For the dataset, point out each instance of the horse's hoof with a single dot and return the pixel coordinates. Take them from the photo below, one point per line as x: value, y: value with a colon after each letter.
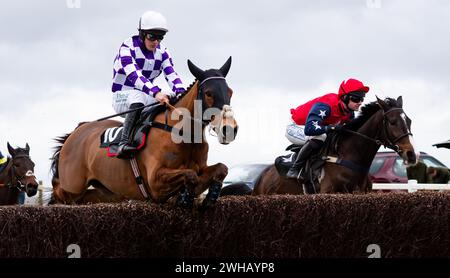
x: 186, y: 206
x: 185, y: 203
x: 186, y: 199
x: 206, y: 204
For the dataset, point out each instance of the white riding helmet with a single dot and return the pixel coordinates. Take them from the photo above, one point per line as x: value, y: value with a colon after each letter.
x: 151, y: 20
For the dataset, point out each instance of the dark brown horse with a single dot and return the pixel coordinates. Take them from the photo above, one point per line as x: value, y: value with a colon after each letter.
x: 17, y: 176
x: 347, y: 164
x: 169, y: 167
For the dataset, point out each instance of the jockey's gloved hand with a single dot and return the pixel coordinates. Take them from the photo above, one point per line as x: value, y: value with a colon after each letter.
x: 333, y: 128
x: 173, y: 98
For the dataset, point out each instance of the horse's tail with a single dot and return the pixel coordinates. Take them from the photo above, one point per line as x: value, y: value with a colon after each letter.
x: 55, y: 157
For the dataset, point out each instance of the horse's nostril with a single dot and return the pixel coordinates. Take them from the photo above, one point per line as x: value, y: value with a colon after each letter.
x: 31, y: 190
x: 411, y: 156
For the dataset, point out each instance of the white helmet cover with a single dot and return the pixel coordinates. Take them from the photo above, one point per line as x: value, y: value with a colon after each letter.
x: 151, y: 20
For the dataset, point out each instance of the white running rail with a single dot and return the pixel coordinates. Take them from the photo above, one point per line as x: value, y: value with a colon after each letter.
x: 411, y: 186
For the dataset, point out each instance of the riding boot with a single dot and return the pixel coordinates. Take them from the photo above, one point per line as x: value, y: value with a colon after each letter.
x: 305, y: 152
x: 125, y: 149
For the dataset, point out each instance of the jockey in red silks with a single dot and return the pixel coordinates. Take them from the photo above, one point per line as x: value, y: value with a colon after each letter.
x: 313, y: 120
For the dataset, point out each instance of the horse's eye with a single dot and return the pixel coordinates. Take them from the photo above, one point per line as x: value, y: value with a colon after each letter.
x: 208, y: 94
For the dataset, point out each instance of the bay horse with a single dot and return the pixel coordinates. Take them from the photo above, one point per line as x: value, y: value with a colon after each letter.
x: 382, y: 122
x: 17, y: 175
x: 169, y: 168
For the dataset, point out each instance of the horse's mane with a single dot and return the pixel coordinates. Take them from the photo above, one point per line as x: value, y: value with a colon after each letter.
x: 190, y: 86
x: 185, y: 92
x: 368, y: 111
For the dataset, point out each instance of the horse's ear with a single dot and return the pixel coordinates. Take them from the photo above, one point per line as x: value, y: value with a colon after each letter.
x: 226, y: 67
x: 382, y: 104
x: 400, y: 101
x: 27, y: 148
x: 11, y: 150
x: 196, y: 71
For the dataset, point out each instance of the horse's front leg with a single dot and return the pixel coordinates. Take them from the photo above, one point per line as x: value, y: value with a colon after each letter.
x: 169, y: 181
x: 211, y: 178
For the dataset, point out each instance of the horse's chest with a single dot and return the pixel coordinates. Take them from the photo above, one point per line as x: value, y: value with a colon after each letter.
x: 184, y: 158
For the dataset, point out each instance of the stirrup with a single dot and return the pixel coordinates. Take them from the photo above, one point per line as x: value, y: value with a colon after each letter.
x: 122, y: 152
x: 293, y: 173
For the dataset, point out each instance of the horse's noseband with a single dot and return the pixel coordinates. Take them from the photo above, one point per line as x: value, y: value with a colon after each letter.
x: 200, y: 93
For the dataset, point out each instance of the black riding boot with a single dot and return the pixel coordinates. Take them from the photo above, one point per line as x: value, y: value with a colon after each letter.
x: 125, y: 149
x: 309, y: 148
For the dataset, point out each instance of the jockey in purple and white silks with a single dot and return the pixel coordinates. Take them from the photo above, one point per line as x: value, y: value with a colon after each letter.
x: 140, y: 61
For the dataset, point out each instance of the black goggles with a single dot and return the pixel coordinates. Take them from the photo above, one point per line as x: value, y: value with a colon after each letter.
x: 154, y: 37
x: 356, y: 99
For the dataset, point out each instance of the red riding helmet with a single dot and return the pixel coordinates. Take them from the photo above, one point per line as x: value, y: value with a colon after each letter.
x: 352, y: 87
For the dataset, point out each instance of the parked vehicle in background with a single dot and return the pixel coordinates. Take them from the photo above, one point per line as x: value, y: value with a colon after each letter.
x: 241, y: 179
x: 388, y: 167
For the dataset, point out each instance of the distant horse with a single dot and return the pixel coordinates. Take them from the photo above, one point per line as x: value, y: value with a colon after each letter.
x: 168, y: 168
x: 347, y: 164
x: 18, y: 175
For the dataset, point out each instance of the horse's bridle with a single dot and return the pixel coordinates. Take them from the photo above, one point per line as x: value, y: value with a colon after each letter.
x: 18, y: 179
x: 387, y: 142
x: 199, y: 97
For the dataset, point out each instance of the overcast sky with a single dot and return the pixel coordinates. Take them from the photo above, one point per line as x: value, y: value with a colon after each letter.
x: 57, y: 55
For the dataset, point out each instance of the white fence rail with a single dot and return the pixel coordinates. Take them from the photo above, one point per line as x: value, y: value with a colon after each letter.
x: 411, y: 186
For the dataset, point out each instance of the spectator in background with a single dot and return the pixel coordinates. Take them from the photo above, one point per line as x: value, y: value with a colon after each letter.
x: 438, y: 175
x: 417, y: 172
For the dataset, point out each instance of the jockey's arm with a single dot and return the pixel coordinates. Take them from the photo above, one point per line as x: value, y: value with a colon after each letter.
x: 314, y: 122
x: 172, y: 77
x: 134, y: 73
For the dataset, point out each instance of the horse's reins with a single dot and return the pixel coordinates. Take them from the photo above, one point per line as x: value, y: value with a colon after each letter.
x: 166, y: 126
x: 389, y: 144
